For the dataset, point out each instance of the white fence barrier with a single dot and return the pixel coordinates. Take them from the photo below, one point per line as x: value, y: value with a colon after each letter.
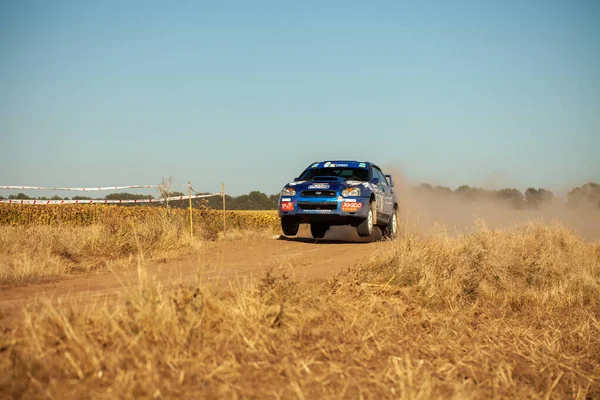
x: 174, y: 198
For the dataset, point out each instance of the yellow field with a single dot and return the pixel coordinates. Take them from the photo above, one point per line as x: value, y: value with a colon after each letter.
x: 209, y: 221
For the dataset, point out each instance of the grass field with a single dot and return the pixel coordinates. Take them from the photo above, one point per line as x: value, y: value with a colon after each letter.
x: 42, y: 243
x: 489, y: 314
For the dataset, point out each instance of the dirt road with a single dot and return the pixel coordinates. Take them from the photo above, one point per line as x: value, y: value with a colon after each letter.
x: 216, y: 263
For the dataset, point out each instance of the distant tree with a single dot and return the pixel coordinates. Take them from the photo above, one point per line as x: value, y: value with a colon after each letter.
x: 535, y: 197
x: 127, y: 196
x: 216, y: 202
x: 545, y: 195
x: 20, y: 196
x: 254, y: 200
x: 512, y: 196
x: 175, y: 194
x: 588, y: 193
x: 56, y: 197
x: 426, y: 188
x: 467, y: 192
x: 442, y: 191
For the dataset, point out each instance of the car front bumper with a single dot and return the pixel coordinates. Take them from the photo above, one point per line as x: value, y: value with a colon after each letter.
x: 333, y: 211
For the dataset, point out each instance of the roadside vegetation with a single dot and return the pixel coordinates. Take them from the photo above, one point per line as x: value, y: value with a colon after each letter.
x: 489, y: 314
x: 42, y: 243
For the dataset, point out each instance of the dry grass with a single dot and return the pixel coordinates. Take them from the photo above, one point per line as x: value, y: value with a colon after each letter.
x: 506, y: 314
x: 40, y: 253
x: 55, y: 246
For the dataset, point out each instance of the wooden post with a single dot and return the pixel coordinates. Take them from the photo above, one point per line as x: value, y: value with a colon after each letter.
x: 191, y: 216
x: 223, y: 196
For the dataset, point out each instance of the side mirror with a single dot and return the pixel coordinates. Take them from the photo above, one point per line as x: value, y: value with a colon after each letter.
x: 389, y: 178
x: 376, y: 180
x: 296, y: 179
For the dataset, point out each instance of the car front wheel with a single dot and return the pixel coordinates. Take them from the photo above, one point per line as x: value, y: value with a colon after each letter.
x: 365, y: 229
x: 289, y: 226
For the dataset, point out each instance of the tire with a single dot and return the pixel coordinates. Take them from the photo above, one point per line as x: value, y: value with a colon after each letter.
x: 318, y: 231
x: 289, y: 226
x: 390, y: 231
x: 365, y: 229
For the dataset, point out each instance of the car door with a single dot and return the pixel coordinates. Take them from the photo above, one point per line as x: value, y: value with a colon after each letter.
x: 389, y: 196
x: 383, y: 195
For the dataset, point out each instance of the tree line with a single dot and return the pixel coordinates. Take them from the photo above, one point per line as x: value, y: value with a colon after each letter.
x: 588, y: 193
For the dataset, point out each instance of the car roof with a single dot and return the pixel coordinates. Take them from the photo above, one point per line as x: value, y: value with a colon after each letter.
x: 343, y: 162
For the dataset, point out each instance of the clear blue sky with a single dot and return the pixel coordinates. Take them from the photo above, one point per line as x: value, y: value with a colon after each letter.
x: 250, y: 92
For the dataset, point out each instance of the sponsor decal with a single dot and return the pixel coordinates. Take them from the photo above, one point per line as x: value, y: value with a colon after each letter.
x: 286, y: 199
x: 332, y: 165
x: 319, y: 186
x: 349, y: 206
x: 287, y: 206
x: 351, y: 200
x: 359, y: 183
x: 315, y: 165
x: 362, y: 165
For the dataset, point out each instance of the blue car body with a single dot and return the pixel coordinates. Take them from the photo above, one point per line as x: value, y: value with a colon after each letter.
x: 338, y: 193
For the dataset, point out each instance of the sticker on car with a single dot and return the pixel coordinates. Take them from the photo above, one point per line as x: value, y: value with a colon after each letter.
x: 348, y: 206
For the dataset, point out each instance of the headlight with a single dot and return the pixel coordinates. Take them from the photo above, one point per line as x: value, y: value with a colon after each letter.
x: 351, y: 192
x: 288, y: 192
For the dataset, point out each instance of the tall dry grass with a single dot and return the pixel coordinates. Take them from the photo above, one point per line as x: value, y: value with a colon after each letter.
x: 493, y: 314
x: 36, y: 253
x: 101, y: 238
x: 532, y: 265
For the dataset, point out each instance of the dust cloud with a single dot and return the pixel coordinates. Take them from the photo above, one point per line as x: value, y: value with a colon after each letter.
x: 422, y: 212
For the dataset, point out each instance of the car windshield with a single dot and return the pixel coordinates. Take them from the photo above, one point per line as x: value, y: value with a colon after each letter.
x: 348, y: 174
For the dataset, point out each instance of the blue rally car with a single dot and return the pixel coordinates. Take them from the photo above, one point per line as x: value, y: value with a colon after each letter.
x: 340, y: 193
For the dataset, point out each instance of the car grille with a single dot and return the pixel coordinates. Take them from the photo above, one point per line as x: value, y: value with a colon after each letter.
x: 317, y: 206
x: 317, y: 193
